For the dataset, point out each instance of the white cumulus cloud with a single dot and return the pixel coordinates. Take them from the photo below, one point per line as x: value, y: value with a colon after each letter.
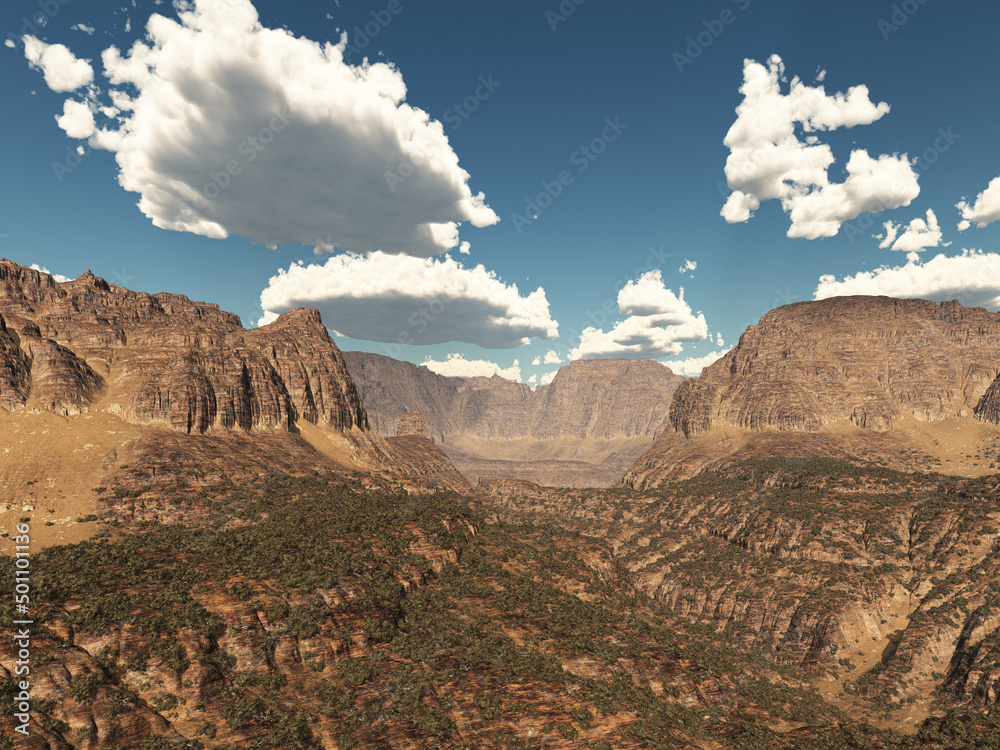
x: 658, y: 324
x: 984, y: 210
x: 547, y: 377
x: 918, y: 235
x: 692, y: 366
x: 973, y: 278
x: 272, y: 137
x: 769, y: 161
x: 62, y: 70
x: 457, y: 366
x: 77, y: 119
x: 407, y: 300
x: 88, y: 30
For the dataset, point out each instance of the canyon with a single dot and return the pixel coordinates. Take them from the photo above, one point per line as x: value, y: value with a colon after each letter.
x: 248, y: 538
x: 584, y: 429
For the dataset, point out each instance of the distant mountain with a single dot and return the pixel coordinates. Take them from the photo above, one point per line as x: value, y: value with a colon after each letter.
x: 900, y: 381
x: 583, y: 429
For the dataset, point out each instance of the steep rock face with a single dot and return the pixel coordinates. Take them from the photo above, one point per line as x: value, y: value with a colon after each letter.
x: 163, y: 359
x: 600, y: 398
x: 170, y: 390
x: 410, y: 424
x: 882, y: 365
x: 871, y: 360
x: 15, y: 384
x: 988, y: 408
x: 391, y: 389
x: 606, y: 398
x: 583, y: 429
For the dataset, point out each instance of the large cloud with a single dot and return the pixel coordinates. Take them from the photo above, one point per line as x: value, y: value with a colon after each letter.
x: 769, y: 161
x: 658, y: 325
x: 984, y: 210
x: 917, y: 235
x: 457, y: 366
x: 405, y: 300
x: 274, y: 138
x: 61, y: 68
x: 973, y: 278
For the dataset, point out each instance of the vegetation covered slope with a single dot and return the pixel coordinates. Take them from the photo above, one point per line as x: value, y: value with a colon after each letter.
x: 316, y: 613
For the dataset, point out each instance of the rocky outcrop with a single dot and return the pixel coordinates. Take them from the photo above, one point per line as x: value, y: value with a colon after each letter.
x: 870, y: 360
x: 176, y: 368
x: 874, y: 363
x: 163, y: 359
x: 583, y: 429
x: 411, y: 424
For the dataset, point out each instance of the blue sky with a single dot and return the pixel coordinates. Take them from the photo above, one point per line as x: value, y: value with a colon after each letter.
x: 619, y: 110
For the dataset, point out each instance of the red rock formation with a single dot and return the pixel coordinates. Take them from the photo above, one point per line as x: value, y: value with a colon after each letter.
x: 875, y: 362
x: 171, y: 365
x: 410, y: 424
x: 163, y: 359
x: 583, y: 429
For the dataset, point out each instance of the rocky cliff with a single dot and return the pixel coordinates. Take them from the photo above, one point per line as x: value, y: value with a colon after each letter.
x: 163, y: 359
x: 583, y: 429
x: 134, y: 372
x: 841, y: 370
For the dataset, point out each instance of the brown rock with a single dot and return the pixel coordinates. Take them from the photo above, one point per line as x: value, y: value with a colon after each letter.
x: 875, y: 363
x: 583, y: 429
x: 410, y: 424
x: 179, y: 369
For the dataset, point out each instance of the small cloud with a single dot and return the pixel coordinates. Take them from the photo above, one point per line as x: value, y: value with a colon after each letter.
x: 552, y: 357
x: 77, y: 120
x: 9, y: 43
x: 688, y: 267
x: 917, y: 235
x: 536, y: 361
x: 692, y: 366
x: 88, y: 30
x: 719, y: 341
x: 63, y: 71
x: 658, y: 324
x: 457, y: 366
x: 465, y: 248
x: 547, y: 377
x: 984, y: 210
